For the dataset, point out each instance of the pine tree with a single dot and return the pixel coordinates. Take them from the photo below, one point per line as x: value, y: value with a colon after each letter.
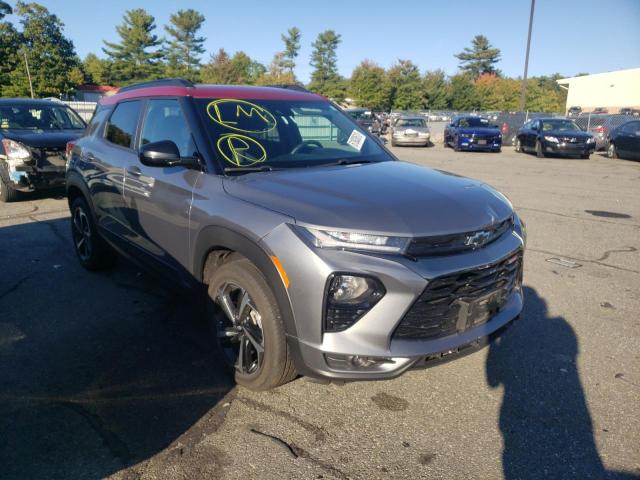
x: 246, y: 70
x: 185, y: 46
x: 137, y: 57
x: 278, y: 72
x: 51, y: 55
x: 5, y: 9
x: 9, y: 53
x: 219, y: 70
x: 436, y: 89
x: 370, y: 86
x: 291, y: 48
x: 480, y: 58
x: 464, y: 96
x: 407, y: 86
x: 325, y: 78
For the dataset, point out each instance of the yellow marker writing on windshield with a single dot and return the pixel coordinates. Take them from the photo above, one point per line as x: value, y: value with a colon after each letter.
x: 241, y: 150
x: 246, y: 117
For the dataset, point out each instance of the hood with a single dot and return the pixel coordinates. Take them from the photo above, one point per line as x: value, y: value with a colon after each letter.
x: 567, y: 133
x: 479, y: 131
x: 42, y: 138
x: 393, y: 197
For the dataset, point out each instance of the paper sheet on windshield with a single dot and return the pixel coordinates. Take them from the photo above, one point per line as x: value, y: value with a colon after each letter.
x: 356, y: 140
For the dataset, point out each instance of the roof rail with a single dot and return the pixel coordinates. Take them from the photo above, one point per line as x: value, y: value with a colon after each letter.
x: 290, y: 86
x: 165, y: 82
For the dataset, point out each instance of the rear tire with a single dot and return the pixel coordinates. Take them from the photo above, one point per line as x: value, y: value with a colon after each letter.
x: 254, y: 325
x: 611, y: 151
x: 585, y: 156
x: 7, y: 194
x: 91, y: 249
x: 539, y: 152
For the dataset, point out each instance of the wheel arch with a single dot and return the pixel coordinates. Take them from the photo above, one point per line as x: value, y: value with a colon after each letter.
x: 214, y: 243
x: 76, y: 187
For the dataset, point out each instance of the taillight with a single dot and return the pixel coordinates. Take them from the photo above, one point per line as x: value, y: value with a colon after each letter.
x: 70, y: 146
x: 600, y: 129
x: 505, y: 128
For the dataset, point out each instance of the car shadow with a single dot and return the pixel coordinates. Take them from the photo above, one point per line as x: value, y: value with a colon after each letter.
x: 98, y: 371
x: 544, y: 419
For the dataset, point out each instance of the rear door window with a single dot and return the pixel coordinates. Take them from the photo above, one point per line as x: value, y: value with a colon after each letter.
x: 121, y: 128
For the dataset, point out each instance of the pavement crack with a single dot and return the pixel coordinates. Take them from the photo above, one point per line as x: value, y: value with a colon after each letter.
x: 586, y: 260
x: 319, y: 434
x: 616, y: 250
x: 288, y: 447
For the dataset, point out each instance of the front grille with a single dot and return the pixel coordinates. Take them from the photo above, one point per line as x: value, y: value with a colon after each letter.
x: 458, y: 242
x: 576, y: 140
x: 454, y: 303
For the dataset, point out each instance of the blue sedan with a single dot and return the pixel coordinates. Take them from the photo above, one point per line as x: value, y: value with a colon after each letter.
x: 473, y: 133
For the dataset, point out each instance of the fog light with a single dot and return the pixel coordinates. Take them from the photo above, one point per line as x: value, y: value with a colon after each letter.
x: 348, y: 298
x: 355, y: 362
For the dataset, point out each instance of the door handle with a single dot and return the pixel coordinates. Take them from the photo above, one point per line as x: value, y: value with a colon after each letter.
x: 134, y: 171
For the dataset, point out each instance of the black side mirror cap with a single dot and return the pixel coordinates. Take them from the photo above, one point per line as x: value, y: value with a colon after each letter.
x: 164, y: 154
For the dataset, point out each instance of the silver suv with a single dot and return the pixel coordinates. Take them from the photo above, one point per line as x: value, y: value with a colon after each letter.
x: 321, y: 253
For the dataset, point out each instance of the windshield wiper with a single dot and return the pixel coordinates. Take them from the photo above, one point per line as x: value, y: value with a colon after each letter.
x: 346, y: 161
x: 262, y: 168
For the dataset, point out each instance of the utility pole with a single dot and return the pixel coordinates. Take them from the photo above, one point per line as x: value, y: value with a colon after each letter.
x: 523, y: 93
x: 26, y: 62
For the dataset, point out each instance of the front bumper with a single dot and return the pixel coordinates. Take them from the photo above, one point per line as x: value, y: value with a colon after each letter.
x: 472, y: 144
x: 569, y: 148
x: 373, y: 335
x: 29, y: 179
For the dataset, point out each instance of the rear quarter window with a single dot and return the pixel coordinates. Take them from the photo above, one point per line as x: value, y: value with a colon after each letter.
x: 122, y: 124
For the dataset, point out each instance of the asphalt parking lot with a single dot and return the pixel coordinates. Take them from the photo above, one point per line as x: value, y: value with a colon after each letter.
x: 113, y: 374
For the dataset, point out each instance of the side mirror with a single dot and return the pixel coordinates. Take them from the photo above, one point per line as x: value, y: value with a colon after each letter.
x: 164, y: 154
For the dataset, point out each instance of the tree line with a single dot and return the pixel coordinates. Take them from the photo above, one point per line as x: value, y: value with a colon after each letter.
x: 140, y: 54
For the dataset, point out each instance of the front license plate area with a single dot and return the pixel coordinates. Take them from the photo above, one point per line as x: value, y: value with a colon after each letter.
x: 482, y: 142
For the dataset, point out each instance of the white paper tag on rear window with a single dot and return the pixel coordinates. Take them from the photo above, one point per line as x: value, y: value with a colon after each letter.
x: 356, y: 140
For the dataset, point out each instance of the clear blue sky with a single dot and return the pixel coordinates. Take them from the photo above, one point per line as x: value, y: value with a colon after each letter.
x: 569, y: 36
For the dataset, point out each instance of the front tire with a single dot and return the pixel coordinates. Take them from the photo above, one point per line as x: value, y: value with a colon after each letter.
x: 611, y: 151
x: 248, y: 326
x: 91, y: 249
x: 539, y: 152
x: 7, y: 194
x: 518, y: 146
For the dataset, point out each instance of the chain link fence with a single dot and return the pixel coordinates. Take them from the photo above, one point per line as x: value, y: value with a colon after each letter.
x: 599, y: 125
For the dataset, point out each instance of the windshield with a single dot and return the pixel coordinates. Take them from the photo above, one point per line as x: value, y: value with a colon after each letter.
x: 410, y: 122
x: 38, y: 117
x: 475, y: 122
x: 560, y: 125
x: 285, y: 134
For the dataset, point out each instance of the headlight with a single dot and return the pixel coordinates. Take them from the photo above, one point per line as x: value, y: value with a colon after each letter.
x: 16, y: 153
x: 551, y: 139
x: 465, y: 135
x: 353, y: 240
x: 591, y: 140
x: 348, y: 298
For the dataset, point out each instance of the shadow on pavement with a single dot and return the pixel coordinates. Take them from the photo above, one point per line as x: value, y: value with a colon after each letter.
x: 98, y: 372
x: 544, y: 418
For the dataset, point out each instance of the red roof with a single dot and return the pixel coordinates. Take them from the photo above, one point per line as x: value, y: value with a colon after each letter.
x: 214, y: 91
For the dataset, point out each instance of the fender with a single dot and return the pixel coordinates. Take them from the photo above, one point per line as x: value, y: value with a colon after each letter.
x: 74, y: 179
x: 214, y: 237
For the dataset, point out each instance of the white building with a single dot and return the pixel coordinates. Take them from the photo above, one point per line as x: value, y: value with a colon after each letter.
x: 610, y: 90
